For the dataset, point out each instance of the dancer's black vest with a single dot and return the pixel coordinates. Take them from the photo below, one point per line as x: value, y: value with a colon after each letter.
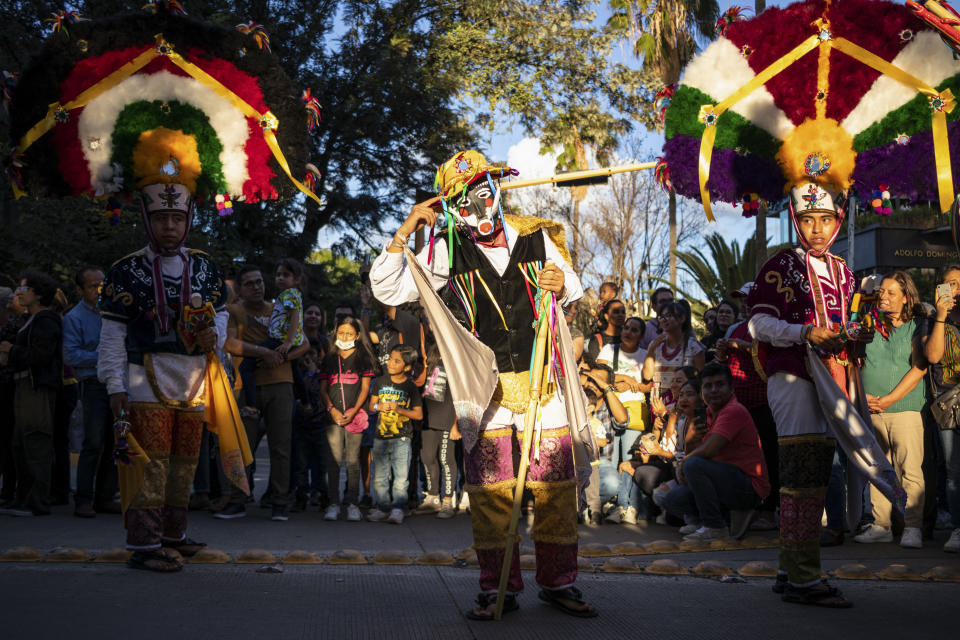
x: 512, y: 346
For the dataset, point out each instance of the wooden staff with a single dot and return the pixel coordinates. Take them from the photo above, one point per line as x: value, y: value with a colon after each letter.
x: 577, y: 175
x: 529, y: 422
x: 561, y: 177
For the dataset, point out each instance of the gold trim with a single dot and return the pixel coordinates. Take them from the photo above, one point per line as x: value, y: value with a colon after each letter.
x: 155, y: 387
x: 805, y: 492
x: 158, y: 405
x: 490, y: 434
x: 489, y: 488
x: 817, y: 438
x: 546, y: 484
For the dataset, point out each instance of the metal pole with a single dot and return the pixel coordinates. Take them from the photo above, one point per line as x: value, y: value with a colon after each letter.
x: 851, y: 229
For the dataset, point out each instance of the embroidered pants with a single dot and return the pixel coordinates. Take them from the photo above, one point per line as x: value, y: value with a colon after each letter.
x: 491, y: 470
x: 806, y: 459
x: 171, y: 439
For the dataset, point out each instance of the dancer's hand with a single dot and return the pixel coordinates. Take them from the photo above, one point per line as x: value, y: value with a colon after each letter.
x: 551, y: 278
x: 825, y: 339
x: 119, y: 403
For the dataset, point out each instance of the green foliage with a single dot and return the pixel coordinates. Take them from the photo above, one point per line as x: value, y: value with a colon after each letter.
x: 726, y: 268
x: 403, y: 84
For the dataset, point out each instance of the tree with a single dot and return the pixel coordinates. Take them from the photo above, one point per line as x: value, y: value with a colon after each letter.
x: 664, y: 34
x: 403, y: 85
x: 627, y: 236
x: 726, y: 269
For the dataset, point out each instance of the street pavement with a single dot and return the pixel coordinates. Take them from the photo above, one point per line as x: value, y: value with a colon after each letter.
x: 266, y: 600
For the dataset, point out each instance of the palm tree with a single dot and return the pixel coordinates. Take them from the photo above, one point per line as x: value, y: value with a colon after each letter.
x: 665, y: 36
x: 726, y: 269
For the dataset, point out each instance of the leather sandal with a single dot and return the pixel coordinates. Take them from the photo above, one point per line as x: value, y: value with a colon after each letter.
x: 485, y: 600
x: 186, y: 547
x: 555, y: 598
x: 818, y: 595
x: 154, y: 560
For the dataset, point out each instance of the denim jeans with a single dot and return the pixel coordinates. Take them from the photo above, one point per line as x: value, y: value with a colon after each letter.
x: 343, y: 450
x: 951, y: 453
x: 711, y: 487
x: 629, y: 493
x: 309, y: 444
x: 391, y: 455
x: 95, y: 457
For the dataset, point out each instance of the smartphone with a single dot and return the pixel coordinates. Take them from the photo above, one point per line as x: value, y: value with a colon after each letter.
x: 700, y: 417
x: 943, y: 290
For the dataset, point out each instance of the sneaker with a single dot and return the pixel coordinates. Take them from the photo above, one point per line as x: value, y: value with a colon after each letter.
x: 84, y: 511
x: 873, y: 533
x: 231, y: 511
x: 396, y: 516
x: 353, y: 513
x: 911, y: 538
x: 595, y: 519
x: 17, y: 511
x: 446, y: 509
x: 464, y: 502
x: 377, y: 515
x: 953, y: 544
x: 687, y: 529
x: 661, y: 519
x: 615, y: 516
x: 708, y: 534
x: 630, y: 515
x: 332, y: 512
x: 281, y: 512
x: 431, y: 504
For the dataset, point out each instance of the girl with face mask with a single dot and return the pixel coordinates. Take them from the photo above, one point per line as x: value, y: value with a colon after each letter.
x: 345, y: 377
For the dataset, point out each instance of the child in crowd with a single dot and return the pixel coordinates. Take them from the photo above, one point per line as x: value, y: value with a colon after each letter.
x: 310, y: 431
x: 345, y: 377
x: 285, y: 330
x: 397, y: 400
x: 439, y: 438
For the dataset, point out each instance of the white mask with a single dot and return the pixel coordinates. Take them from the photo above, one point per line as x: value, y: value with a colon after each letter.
x: 345, y: 346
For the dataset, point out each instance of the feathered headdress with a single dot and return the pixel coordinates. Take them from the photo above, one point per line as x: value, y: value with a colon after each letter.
x: 159, y: 99
x: 813, y: 99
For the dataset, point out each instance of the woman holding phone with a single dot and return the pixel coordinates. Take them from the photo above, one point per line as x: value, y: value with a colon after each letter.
x: 943, y: 352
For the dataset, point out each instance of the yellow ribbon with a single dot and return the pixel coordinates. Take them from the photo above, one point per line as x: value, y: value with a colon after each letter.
x: 91, y: 93
x: 201, y: 76
x: 938, y: 125
x: 710, y: 133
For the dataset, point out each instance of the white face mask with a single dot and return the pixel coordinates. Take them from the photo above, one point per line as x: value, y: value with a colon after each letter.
x: 345, y: 346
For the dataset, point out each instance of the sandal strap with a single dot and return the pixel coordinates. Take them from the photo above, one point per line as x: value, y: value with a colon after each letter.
x: 568, y: 593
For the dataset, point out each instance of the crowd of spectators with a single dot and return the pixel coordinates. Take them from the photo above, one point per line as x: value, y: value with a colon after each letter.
x: 360, y: 424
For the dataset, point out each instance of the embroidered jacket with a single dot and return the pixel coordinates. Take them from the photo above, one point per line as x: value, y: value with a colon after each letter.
x: 789, y: 289
x: 128, y: 297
